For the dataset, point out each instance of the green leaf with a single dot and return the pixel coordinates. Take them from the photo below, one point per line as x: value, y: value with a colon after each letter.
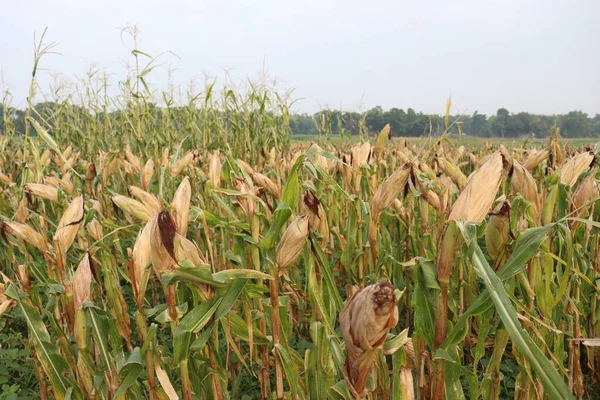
x: 236, y: 288
x: 131, y: 371
x: 185, y: 272
x: 554, y: 385
x: 525, y: 248
x: 239, y: 328
x: 191, y: 323
x: 53, y: 363
x: 239, y: 273
x: 424, y: 313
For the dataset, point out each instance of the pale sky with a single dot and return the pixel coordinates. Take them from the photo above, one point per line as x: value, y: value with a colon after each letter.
x: 524, y: 55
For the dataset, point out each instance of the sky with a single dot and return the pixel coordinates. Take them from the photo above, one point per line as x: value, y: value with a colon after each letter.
x: 523, y: 55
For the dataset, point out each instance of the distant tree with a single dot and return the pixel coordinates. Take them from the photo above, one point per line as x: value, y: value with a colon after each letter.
x: 500, y: 122
x: 596, y: 124
x: 576, y: 124
x: 477, y: 125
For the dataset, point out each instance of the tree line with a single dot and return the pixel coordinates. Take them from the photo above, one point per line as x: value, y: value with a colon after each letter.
x: 413, y: 124
x: 403, y: 123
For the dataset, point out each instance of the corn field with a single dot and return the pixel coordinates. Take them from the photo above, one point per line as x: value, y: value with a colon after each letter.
x: 193, y: 252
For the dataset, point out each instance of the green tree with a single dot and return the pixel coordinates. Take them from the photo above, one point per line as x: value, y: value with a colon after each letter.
x: 576, y: 124
x: 477, y: 125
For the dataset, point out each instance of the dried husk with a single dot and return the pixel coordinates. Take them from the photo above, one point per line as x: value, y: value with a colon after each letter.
x: 162, y: 242
x: 40, y: 190
x: 291, y: 244
x: 497, y: 233
x: 214, y: 169
x: 556, y: 150
x: 186, y: 250
x: 94, y: 229
x: 26, y: 233
x: 477, y: 198
x: 522, y: 182
x: 96, y: 205
x: 146, y: 174
x: 45, y: 157
x: 90, y: 173
x: 181, y: 164
x: 390, y: 189
x: 5, y: 180
x: 535, y: 158
x: 574, y: 167
x: 586, y: 191
x: 22, y: 210
x: 245, y: 166
x: 132, y: 207
x: 317, y: 219
x: 142, y: 256
x: 360, y: 154
x: 5, y: 302
x: 382, y: 139
x: 365, y: 322
x: 180, y: 206
x: 320, y: 160
x: 81, y: 281
x: 69, y: 224
x: 148, y: 199
x: 133, y: 160
x: 266, y: 183
x: 245, y: 201
x: 453, y: 172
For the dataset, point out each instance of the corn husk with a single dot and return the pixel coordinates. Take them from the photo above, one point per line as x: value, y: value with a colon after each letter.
x: 266, y: 183
x: 535, y: 158
x: 291, y: 244
x: 162, y: 245
x: 586, y: 191
x: 249, y: 170
x: 361, y: 154
x: 365, y: 322
x: 69, y: 224
x: 178, y: 167
x: 214, y: 169
x: 26, y: 233
x: 180, y: 205
x: 146, y: 174
x: 40, y: 190
x: 185, y: 249
x: 94, y: 229
x: 497, y: 233
x: 45, y: 157
x: 522, y: 182
x: 5, y: 302
x: 247, y: 192
x: 453, y: 172
x: 22, y: 212
x: 476, y: 200
x: 5, y: 180
x: 150, y: 201
x: 142, y: 256
x: 390, y: 189
x: 382, y: 139
x: 96, y: 205
x: 81, y: 281
x: 317, y: 219
x: 133, y: 207
x: 574, y: 167
x: 133, y: 160
x: 90, y: 173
